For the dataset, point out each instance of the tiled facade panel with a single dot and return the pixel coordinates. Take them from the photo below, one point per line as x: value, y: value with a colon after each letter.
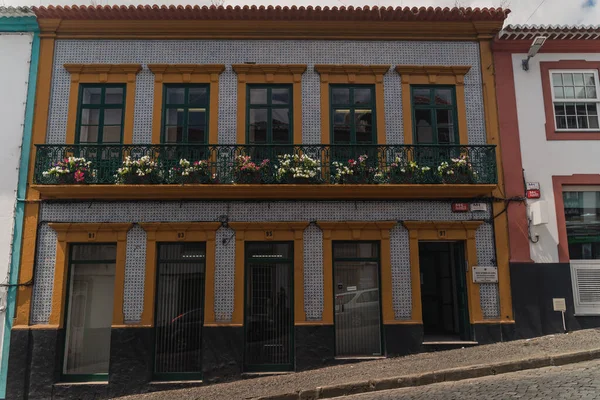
x: 225, y: 244
x: 238, y: 51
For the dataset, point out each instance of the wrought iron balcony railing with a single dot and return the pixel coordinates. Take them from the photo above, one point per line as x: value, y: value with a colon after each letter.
x: 260, y: 164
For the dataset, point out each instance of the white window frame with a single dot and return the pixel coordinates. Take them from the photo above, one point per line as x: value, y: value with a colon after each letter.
x: 582, y: 309
x: 565, y: 100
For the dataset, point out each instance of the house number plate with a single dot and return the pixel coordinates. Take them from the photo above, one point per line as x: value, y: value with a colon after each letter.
x: 485, y: 275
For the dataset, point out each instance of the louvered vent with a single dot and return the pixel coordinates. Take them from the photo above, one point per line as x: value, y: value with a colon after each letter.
x: 586, y: 286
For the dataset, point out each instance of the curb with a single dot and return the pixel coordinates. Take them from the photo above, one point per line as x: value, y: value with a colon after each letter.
x: 446, y: 375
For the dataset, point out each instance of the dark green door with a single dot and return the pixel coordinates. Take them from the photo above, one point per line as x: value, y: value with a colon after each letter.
x: 462, y: 299
x: 269, y: 317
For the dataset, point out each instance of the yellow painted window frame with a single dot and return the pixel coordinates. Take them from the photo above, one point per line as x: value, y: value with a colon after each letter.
x: 99, y: 74
x: 433, y: 75
x: 269, y: 74
x: 67, y: 233
x: 373, y: 231
x: 157, y: 232
x: 352, y: 75
x: 184, y: 74
x: 268, y: 232
x: 433, y: 231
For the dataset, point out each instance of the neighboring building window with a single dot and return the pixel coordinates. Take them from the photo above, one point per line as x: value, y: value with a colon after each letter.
x: 89, y: 312
x: 434, y: 116
x: 575, y: 98
x: 185, y: 118
x: 582, y: 216
x: 269, y: 111
x: 101, y: 114
x: 352, y: 111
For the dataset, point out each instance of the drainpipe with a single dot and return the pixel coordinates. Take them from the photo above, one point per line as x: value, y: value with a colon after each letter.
x: 15, y: 259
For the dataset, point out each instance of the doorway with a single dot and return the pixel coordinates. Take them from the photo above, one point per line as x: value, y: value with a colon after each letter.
x: 268, y: 316
x: 444, y: 298
x: 357, y: 299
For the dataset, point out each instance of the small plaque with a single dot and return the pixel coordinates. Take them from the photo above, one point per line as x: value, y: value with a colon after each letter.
x: 533, y: 186
x: 479, y: 207
x: 559, y: 304
x: 485, y: 275
x: 533, y: 194
x: 351, y: 289
x: 460, y: 207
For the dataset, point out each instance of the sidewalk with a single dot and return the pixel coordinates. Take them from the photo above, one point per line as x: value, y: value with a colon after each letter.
x: 511, y: 353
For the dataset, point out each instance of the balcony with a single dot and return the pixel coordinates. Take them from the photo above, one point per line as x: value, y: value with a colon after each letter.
x: 264, y: 172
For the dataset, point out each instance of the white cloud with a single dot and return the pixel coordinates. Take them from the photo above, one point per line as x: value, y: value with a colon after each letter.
x: 550, y: 12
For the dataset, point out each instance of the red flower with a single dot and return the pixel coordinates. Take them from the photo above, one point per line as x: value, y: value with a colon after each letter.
x: 79, y: 176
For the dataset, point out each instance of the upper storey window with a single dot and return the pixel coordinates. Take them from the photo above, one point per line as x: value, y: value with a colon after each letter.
x: 353, y: 110
x: 101, y: 113
x: 269, y: 110
x: 575, y: 99
x: 186, y: 114
x: 434, y: 114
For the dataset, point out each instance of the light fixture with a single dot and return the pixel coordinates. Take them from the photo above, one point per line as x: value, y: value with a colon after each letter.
x: 538, y: 42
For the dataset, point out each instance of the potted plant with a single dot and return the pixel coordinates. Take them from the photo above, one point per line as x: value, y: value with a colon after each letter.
x: 407, y: 172
x: 70, y: 170
x: 143, y: 170
x: 191, y: 172
x: 247, y: 171
x: 353, y: 171
x: 294, y: 168
x: 457, y: 170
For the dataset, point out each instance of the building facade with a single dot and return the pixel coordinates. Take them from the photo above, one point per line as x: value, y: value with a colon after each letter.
x: 548, y: 129
x: 19, y: 38
x: 210, y: 197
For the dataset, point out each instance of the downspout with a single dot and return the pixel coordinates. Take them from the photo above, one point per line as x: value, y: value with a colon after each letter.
x: 15, y: 259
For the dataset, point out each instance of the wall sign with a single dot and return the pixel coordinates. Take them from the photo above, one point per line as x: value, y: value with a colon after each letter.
x: 460, y: 207
x: 559, y: 304
x: 533, y: 185
x: 533, y: 194
x: 485, y: 275
x: 478, y: 206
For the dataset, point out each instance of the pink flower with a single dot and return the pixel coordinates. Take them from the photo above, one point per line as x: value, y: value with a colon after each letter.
x: 351, y: 161
x: 79, y: 176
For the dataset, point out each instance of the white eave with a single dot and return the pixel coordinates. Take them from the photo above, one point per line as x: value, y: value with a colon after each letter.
x: 553, y: 32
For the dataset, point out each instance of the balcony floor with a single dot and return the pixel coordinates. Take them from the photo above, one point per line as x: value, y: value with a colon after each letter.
x: 263, y: 192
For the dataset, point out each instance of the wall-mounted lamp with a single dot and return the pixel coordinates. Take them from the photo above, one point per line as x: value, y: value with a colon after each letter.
x: 538, y: 42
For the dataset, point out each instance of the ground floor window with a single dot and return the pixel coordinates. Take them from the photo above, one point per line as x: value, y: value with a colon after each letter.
x: 582, y: 216
x: 89, y: 312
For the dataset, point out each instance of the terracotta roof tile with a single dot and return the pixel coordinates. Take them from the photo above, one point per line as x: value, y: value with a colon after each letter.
x: 554, y: 32
x: 309, y: 13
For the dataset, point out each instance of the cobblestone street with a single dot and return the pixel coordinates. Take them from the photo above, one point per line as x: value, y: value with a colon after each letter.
x: 575, y: 381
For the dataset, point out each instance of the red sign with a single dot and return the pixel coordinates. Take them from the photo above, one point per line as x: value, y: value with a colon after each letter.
x: 533, y: 194
x: 460, y: 207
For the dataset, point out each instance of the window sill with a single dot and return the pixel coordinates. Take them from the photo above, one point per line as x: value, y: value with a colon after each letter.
x: 572, y: 135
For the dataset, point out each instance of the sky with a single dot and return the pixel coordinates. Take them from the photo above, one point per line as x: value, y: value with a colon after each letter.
x: 555, y: 12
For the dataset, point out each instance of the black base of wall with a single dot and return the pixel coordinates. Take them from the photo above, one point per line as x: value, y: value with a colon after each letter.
x: 315, y: 346
x: 533, y: 287
x: 401, y: 340
x: 223, y: 353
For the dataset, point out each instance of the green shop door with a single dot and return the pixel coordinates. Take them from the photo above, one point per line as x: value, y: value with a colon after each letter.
x: 179, y: 309
x: 268, y: 316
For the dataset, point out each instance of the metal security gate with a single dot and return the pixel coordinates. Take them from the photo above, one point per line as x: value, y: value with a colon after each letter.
x: 357, y: 299
x: 179, y: 310
x: 269, y: 307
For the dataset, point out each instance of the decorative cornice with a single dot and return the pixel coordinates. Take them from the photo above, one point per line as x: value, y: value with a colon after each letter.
x: 437, y: 225
x: 103, y: 70
x: 269, y: 71
x: 180, y: 226
x: 186, y: 70
x: 433, y: 71
x: 272, y: 226
x: 356, y: 225
x: 351, y: 71
x: 93, y: 227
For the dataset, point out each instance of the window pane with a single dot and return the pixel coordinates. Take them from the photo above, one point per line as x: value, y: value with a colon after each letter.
x: 362, y: 96
x: 281, y: 125
x: 197, y: 116
x: 582, y: 217
x: 591, y: 109
x: 258, y: 125
x: 421, y: 96
x: 590, y: 80
x: 198, y: 95
x: 112, y: 116
x: 258, y: 96
x: 113, y: 96
x: 363, y: 120
x: 111, y: 134
x: 572, y: 122
x: 340, y: 96
x: 355, y: 250
x: 91, y: 95
x: 561, y: 123
x: 582, y: 122
x: 567, y: 79
x: 559, y: 109
x: 88, y: 134
x: 569, y: 92
x: 89, y: 315
x: 570, y: 108
x: 90, y: 116
x: 175, y: 95
x: 445, y: 126
x: 341, y: 117
x: 443, y: 97
x: 174, y: 134
x: 341, y: 134
x: 578, y: 79
x: 423, y: 126
x: 104, y: 252
x: 175, y: 116
x: 580, y: 92
x: 196, y: 134
x: 559, y: 93
x: 580, y: 109
x: 557, y: 79
x: 280, y: 96
x: 593, y: 122
x: 590, y: 92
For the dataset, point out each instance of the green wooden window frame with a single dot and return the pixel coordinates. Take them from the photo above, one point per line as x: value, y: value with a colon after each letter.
x: 269, y: 106
x: 101, y: 377
x: 433, y: 107
x: 185, y: 107
x: 102, y: 107
x: 352, y: 107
